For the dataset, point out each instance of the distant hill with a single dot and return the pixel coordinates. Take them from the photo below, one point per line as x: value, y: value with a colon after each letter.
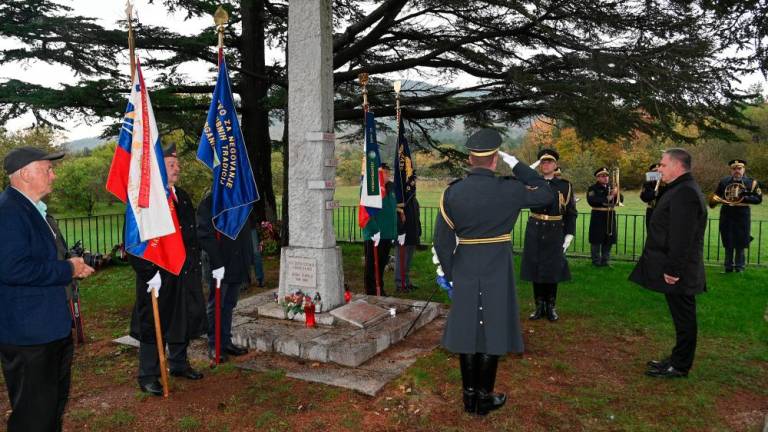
x: 85, y: 143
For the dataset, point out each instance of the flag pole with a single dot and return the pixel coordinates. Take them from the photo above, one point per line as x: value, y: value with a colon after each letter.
x: 363, y: 78
x: 400, y: 206
x: 220, y: 18
x: 131, y: 41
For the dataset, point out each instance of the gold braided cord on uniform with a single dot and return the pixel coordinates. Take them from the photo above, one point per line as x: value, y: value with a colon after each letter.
x: 483, y: 153
x: 486, y: 240
x: 443, y: 212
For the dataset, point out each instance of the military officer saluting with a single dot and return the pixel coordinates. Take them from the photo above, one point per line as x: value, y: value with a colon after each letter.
x: 603, y: 198
x: 736, y: 193
x: 549, y: 232
x: 472, y: 235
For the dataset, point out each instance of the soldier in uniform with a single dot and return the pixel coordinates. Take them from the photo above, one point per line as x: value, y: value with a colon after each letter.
x: 549, y: 232
x: 649, y: 193
x: 736, y: 192
x: 472, y: 235
x: 602, y: 223
x: 181, y: 304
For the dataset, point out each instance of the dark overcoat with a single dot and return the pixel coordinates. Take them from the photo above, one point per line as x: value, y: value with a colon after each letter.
x: 735, y: 220
x: 602, y: 221
x: 675, y: 241
x: 543, y: 256
x: 235, y: 255
x: 484, y: 314
x: 411, y: 227
x: 181, y: 302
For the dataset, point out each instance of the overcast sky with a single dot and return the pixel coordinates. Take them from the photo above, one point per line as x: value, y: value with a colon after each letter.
x: 108, y: 13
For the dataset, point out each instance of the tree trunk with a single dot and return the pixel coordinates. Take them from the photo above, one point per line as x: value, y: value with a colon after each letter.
x: 254, y: 111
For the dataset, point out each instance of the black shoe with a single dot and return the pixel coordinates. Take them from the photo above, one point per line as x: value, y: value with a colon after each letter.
x: 223, y: 357
x: 487, y: 402
x: 154, y: 388
x: 188, y: 373
x: 541, y: 310
x: 552, y: 315
x: 260, y: 283
x: 659, y: 364
x: 668, y: 372
x: 235, y: 350
x: 470, y: 400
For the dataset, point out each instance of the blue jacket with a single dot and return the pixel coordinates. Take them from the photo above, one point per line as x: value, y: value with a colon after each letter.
x: 33, y: 302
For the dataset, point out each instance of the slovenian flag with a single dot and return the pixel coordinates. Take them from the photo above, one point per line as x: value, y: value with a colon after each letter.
x: 222, y: 149
x: 137, y: 177
x: 372, y: 180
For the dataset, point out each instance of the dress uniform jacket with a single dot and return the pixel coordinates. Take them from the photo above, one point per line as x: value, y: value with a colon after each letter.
x: 484, y: 207
x: 181, y: 303
x: 602, y: 214
x: 675, y: 242
x: 735, y: 218
x: 543, y: 257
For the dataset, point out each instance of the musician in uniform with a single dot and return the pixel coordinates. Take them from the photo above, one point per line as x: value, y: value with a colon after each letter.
x: 549, y: 232
x: 471, y: 242
x: 650, y: 192
x: 603, y: 198
x: 736, y: 193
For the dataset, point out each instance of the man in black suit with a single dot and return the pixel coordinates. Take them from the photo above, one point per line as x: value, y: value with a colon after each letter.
x: 35, y: 321
x: 673, y: 258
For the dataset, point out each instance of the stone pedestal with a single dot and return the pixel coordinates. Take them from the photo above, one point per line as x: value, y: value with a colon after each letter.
x: 312, y: 262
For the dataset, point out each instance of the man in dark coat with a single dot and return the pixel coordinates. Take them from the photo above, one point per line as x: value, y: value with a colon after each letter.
x: 35, y: 322
x: 673, y: 258
x: 408, y: 237
x: 232, y: 259
x: 549, y: 232
x: 472, y: 235
x: 650, y: 192
x: 602, y: 223
x: 736, y: 193
x: 180, y: 301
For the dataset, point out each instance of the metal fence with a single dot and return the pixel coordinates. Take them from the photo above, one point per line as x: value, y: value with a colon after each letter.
x: 100, y: 233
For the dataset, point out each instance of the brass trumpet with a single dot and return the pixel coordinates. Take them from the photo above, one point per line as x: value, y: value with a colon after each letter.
x: 615, y: 184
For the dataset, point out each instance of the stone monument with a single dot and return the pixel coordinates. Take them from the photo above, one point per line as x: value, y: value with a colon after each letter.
x: 312, y: 261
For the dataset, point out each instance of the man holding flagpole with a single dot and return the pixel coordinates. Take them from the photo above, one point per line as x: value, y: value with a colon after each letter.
x: 408, y: 218
x: 223, y: 213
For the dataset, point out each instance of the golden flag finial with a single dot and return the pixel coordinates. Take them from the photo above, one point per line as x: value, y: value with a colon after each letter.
x: 220, y: 17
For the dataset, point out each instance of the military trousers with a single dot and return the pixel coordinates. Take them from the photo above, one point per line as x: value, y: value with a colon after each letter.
x: 149, y: 362
x: 735, y: 259
x: 601, y: 253
x: 546, y: 291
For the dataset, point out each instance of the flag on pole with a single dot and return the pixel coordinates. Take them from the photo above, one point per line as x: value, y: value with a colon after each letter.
x: 372, y: 180
x: 222, y: 149
x: 137, y: 177
x: 405, y: 174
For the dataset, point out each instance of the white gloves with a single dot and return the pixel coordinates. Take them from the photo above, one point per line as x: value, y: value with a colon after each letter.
x: 567, y: 242
x: 508, y: 159
x: 376, y: 238
x: 535, y: 164
x: 218, y: 274
x: 154, y: 284
x: 401, y: 239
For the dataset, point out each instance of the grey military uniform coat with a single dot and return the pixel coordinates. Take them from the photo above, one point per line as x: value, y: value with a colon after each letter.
x: 484, y: 316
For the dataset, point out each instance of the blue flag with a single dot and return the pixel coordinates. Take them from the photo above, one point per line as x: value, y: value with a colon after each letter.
x: 405, y: 174
x: 222, y: 149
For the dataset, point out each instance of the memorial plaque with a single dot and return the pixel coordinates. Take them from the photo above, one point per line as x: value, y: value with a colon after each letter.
x: 302, y: 272
x: 330, y: 205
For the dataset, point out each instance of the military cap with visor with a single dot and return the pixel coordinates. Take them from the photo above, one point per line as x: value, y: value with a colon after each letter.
x: 485, y: 142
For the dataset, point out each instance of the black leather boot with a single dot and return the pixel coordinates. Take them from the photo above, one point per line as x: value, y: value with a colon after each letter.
x: 552, y: 310
x: 541, y: 309
x: 468, y: 377
x: 487, y: 400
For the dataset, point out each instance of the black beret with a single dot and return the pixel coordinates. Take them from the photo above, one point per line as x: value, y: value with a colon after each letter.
x: 484, y: 142
x: 20, y: 157
x: 737, y: 162
x: 170, y: 151
x: 653, y: 167
x: 548, y: 153
x: 601, y: 170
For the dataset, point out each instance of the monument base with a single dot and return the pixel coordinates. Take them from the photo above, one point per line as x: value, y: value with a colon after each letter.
x: 312, y: 271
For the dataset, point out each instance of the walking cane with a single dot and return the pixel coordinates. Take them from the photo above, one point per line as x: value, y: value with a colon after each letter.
x: 376, y: 268
x: 160, y: 343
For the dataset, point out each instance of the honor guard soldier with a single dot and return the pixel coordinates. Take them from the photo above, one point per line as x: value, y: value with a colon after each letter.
x: 472, y: 244
x: 736, y: 193
x: 603, y: 198
x: 651, y: 190
x: 549, y: 232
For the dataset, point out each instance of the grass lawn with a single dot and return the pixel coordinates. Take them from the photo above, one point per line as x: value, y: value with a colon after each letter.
x: 581, y: 373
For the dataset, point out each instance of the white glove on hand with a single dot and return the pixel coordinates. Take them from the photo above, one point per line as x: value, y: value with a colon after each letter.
x: 535, y: 164
x: 567, y: 242
x: 154, y: 284
x: 218, y: 274
x: 401, y: 239
x: 509, y: 159
x: 376, y: 238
